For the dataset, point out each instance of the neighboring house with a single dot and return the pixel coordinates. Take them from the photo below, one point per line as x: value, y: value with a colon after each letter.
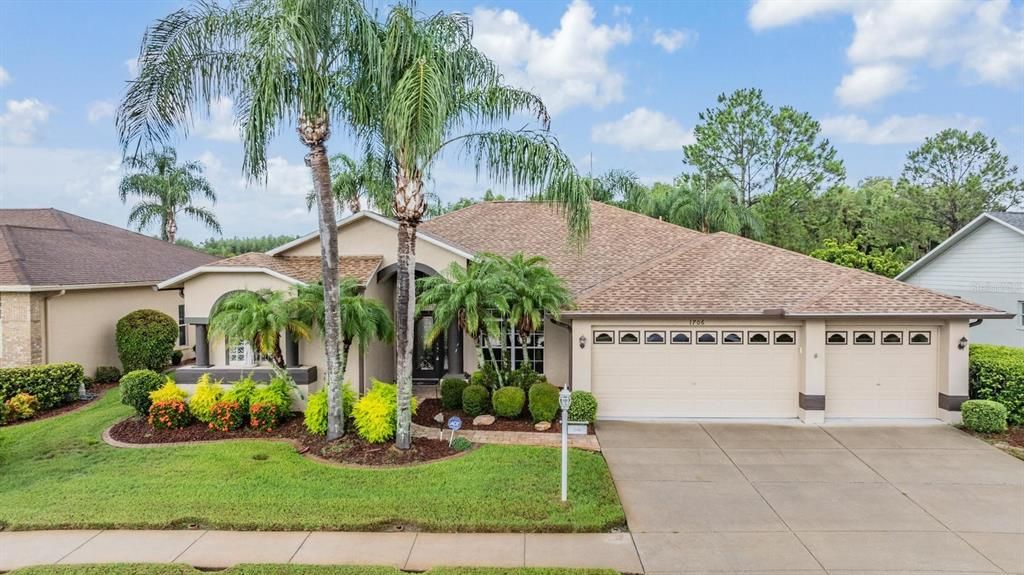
x: 66, y: 280
x: 983, y: 263
x: 669, y: 322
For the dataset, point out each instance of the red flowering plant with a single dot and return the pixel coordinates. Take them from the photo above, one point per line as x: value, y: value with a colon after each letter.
x: 264, y: 416
x: 226, y: 415
x: 169, y: 414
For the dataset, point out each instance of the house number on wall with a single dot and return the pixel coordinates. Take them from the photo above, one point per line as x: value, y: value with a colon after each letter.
x: 696, y: 322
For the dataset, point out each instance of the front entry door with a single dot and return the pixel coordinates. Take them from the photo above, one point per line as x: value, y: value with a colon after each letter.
x: 427, y: 361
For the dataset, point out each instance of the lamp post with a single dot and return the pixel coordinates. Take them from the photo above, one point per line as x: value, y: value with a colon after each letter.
x: 564, y: 399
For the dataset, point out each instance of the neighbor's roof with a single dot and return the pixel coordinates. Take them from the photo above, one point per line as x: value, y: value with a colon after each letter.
x: 1011, y: 220
x: 293, y: 269
x: 52, y: 249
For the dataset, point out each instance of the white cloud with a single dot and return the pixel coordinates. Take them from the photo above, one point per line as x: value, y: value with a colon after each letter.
x: 622, y: 10
x: 5, y: 78
x: 672, y: 40
x: 100, y: 110
x: 283, y: 178
x: 643, y: 129
x: 894, y: 129
x: 867, y: 84
x: 220, y: 125
x: 21, y: 120
x: 568, y: 68
x: 133, y: 66
x: 984, y: 40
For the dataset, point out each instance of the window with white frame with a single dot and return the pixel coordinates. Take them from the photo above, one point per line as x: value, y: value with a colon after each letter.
x: 242, y: 354
x: 182, y: 331
x: 510, y: 349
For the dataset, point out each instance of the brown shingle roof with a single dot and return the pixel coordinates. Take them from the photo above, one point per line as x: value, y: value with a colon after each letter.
x: 48, y: 247
x: 306, y: 268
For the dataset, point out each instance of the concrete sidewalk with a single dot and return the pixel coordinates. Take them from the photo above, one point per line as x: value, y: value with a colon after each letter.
x: 412, y: 551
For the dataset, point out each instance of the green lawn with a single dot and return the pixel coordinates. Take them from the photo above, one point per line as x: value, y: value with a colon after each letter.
x: 58, y: 473
x: 122, y: 569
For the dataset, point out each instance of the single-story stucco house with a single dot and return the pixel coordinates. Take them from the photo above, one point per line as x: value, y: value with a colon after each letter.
x: 668, y: 322
x: 66, y: 280
x: 984, y: 263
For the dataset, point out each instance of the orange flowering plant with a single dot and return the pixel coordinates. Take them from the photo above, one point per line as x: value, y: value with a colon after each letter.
x: 169, y: 414
x: 264, y: 416
x: 226, y: 415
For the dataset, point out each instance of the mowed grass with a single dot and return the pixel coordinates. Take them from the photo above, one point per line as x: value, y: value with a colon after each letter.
x: 58, y: 473
x: 172, y: 569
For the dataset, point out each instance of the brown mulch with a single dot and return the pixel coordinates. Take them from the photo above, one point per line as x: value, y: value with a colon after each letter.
x: 351, y: 449
x: 97, y: 390
x: 1011, y: 440
x: 428, y: 408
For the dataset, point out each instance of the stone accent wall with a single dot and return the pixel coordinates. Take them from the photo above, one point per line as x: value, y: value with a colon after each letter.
x: 21, y: 329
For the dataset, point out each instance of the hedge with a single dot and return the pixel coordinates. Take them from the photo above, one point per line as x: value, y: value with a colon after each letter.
x: 984, y: 416
x: 997, y: 374
x: 145, y: 340
x: 53, y: 384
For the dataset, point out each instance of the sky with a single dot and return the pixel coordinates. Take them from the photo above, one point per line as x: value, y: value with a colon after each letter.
x: 625, y: 82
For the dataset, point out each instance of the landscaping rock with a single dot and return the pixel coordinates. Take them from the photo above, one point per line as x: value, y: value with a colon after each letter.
x: 542, y: 426
x: 439, y: 418
x: 483, y: 420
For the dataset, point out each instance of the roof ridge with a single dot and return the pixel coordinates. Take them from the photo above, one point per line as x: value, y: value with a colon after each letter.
x: 649, y: 217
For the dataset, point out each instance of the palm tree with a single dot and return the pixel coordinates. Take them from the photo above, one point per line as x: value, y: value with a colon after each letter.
x: 258, y: 317
x: 424, y: 89
x: 166, y: 189
x: 473, y: 297
x: 363, y: 319
x: 532, y: 291
x: 280, y: 61
x: 353, y: 180
x: 696, y: 204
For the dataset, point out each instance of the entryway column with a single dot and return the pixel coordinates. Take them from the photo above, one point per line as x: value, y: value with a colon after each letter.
x: 291, y: 343
x: 812, y: 377
x: 954, y: 386
x: 454, y: 341
x: 202, y: 346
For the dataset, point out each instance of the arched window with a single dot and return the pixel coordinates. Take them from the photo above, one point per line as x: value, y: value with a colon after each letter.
x: 604, y: 337
x: 785, y: 337
x: 681, y: 337
x: 835, y: 338
x: 707, y: 337
x: 892, y: 338
x: 629, y: 337
x: 733, y: 337
x: 757, y: 337
x: 920, y: 337
x: 654, y: 337
x: 863, y: 338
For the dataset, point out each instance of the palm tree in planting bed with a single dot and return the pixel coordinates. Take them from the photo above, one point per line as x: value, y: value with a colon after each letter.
x: 352, y: 181
x: 280, y: 61
x: 166, y: 189
x: 422, y: 89
x: 258, y: 317
x: 533, y: 291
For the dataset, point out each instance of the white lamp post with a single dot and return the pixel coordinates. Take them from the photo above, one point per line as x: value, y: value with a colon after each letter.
x: 564, y: 399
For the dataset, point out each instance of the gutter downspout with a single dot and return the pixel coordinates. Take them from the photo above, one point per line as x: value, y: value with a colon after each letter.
x: 46, y: 323
x: 975, y: 323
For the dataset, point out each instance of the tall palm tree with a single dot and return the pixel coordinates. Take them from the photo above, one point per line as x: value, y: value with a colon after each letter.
x: 533, y: 291
x: 258, y: 317
x: 166, y: 189
x: 280, y: 61
x: 424, y: 89
x: 711, y: 208
x: 352, y: 181
x: 363, y: 319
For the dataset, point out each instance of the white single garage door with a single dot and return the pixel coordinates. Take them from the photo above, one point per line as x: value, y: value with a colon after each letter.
x: 884, y: 373
x: 696, y: 372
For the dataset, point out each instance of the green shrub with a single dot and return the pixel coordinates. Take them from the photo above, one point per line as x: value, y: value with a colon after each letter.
x: 22, y: 406
x: 509, y: 402
x: 997, y: 374
x: 375, y: 414
x: 543, y: 402
x: 136, y: 387
x: 53, y: 384
x: 107, y: 374
x: 475, y: 400
x: 583, y: 406
x: 984, y: 416
x: 461, y: 444
x: 168, y: 391
x: 145, y: 339
x: 524, y: 378
x: 265, y: 416
x: 169, y: 414
x: 206, y: 395
x: 485, y: 376
x: 451, y: 392
x: 4, y: 413
x: 176, y: 356
x: 316, y: 409
x: 277, y: 393
x: 226, y: 416
x: 242, y: 392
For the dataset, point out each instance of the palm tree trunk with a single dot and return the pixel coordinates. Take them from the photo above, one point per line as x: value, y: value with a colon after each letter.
x: 313, y: 133
x: 170, y: 228
x: 405, y: 295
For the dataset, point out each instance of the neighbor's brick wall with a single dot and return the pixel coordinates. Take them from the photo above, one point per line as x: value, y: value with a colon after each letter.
x: 21, y: 329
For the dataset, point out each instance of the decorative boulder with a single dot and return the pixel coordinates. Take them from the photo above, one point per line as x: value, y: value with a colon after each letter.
x: 542, y: 426
x: 483, y: 420
x: 439, y: 418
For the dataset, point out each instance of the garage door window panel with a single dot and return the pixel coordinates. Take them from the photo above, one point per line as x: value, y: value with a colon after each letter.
x: 892, y: 338
x: 835, y: 337
x: 680, y: 337
x: 707, y: 337
x: 629, y: 337
x: 654, y: 337
x: 863, y: 338
x: 920, y: 338
x: 785, y: 338
x: 732, y: 337
x: 604, y: 337
x: 757, y: 337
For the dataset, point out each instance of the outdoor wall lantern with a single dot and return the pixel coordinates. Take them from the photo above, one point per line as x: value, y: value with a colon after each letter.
x: 962, y: 344
x: 583, y: 341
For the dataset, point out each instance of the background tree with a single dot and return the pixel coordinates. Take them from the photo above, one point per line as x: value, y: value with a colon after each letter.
x: 258, y: 317
x: 423, y: 89
x: 233, y: 246
x: 955, y: 176
x: 356, y: 181
x: 165, y: 190
x: 620, y: 188
x: 280, y: 61
x: 849, y: 255
x: 697, y: 204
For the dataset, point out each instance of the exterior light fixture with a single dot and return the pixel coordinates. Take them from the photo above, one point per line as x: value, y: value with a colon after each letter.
x: 583, y: 341
x: 962, y: 344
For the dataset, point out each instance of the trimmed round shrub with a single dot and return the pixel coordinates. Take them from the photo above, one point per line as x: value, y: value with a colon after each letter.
x: 984, y: 416
x: 107, y: 374
x: 226, y: 416
x: 145, y: 339
x: 316, y: 409
x: 176, y: 356
x: 206, y: 395
x: 169, y: 414
x: 509, y: 402
x: 997, y: 374
x: 168, y: 391
x: 475, y: 400
x: 583, y: 406
x: 543, y: 402
x: 376, y: 413
x: 22, y: 406
x: 136, y: 387
x: 451, y: 392
x: 461, y: 444
x: 264, y: 416
x: 524, y: 377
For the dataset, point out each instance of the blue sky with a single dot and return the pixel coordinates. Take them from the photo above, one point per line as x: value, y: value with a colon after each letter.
x: 625, y: 80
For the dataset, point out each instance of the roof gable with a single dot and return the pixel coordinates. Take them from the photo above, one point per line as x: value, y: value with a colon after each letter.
x: 292, y: 269
x: 1011, y: 220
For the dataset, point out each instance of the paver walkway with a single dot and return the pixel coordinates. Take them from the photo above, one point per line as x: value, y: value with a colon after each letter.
x: 736, y: 497
x: 412, y: 551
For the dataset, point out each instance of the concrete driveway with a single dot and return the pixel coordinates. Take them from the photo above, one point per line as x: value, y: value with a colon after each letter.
x: 740, y: 497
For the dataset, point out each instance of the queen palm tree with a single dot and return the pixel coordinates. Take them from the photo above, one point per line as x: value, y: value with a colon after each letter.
x: 280, y: 62
x: 258, y: 317
x: 166, y: 189
x: 423, y: 89
x: 354, y: 181
x: 532, y: 291
x: 711, y: 208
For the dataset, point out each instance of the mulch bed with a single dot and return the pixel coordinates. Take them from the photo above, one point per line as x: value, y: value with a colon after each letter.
x: 1011, y: 440
x: 350, y: 449
x: 428, y: 408
x: 96, y: 390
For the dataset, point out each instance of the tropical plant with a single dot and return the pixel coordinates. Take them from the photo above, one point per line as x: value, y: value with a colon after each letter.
x: 316, y: 409
x: 698, y: 205
x: 375, y: 413
x: 532, y: 291
x: 207, y: 394
x: 227, y: 415
x: 22, y: 406
x: 168, y: 391
x: 166, y: 189
x: 352, y: 181
x: 258, y: 317
x: 279, y: 61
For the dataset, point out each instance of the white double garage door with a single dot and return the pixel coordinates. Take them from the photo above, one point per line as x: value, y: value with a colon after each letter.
x: 754, y: 371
